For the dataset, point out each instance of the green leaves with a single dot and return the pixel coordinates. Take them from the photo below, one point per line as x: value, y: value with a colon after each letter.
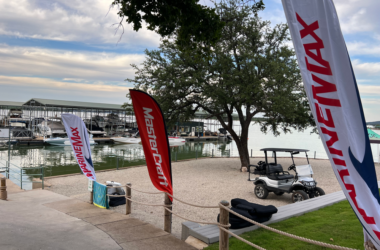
x: 193, y: 22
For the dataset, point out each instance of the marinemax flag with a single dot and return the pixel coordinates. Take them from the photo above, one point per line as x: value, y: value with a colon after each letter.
x: 77, y: 132
x: 335, y: 102
x: 152, y: 129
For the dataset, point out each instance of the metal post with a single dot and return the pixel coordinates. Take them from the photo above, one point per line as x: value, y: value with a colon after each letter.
x: 3, y: 188
x: 42, y: 177
x: 168, y: 215
x: 212, y: 154
x: 175, y: 155
x: 21, y: 177
x: 7, y: 169
x: 229, y: 153
x: 224, y: 220
x: 92, y: 197
x: 117, y: 163
x: 9, y: 148
x: 128, y: 194
x: 196, y: 153
x: 315, y: 153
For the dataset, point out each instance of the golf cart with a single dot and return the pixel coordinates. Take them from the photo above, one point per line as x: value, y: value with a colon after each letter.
x: 274, y: 179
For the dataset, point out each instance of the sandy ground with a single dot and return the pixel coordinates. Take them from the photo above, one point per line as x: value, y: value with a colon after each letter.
x: 203, y: 182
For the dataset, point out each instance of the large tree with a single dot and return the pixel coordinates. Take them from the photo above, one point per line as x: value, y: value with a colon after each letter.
x: 250, y: 71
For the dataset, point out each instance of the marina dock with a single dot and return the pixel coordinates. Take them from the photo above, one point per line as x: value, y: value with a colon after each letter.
x: 40, y: 141
x: 107, y: 140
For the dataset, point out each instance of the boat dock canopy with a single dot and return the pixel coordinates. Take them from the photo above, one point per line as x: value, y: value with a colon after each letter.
x: 284, y: 149
x: 72, y: 104
x: 11, y: 104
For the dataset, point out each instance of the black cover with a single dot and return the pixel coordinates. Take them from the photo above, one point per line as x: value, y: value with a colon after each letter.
x: 116, y: 201
x: 250, y: 210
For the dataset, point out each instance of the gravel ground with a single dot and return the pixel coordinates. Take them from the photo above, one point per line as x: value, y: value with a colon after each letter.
x: 203, y: 182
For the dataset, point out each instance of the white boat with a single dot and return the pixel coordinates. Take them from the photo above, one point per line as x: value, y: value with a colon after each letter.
x: 53, y: 127
x: 133, y: 140
x: 59, y: 141
x: 129, y: 140
x: 176, y: 139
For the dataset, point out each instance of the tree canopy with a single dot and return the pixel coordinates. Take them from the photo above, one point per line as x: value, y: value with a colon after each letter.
x: 191, y: 21
x: 250, y: 70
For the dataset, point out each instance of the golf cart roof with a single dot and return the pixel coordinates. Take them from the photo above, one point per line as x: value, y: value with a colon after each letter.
x: 284, y: 150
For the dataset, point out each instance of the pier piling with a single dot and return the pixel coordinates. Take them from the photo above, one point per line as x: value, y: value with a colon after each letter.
x: 3, y: 189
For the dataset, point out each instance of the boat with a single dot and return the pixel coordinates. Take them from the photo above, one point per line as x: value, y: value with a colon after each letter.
x: 60, y: 141
x: 113, y: 120
x: 224, y: 135
x: 128, y: 140
x: 53, y: 127
x: 133, y: 140
x: 372, y: 135
x: 15, y: 119
x: 94, y: 128
x: 100, y: 121
x: 176, y: 139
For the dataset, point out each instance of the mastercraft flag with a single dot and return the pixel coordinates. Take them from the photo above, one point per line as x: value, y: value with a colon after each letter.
x: 154, y: 139
x: 77, y: 132
x: 335, y: 102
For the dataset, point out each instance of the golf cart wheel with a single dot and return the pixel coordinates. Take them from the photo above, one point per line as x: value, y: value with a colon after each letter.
x: 278, y: 193
x: 261, y: 191
x: 299, y: 195
x: 319, y: 192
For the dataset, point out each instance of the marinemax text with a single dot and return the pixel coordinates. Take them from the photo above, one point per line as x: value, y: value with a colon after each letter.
x: 324, y: 105
x: 77, y: 146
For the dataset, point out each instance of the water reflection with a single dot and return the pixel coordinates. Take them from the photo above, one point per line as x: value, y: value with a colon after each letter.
x: 60, y: 160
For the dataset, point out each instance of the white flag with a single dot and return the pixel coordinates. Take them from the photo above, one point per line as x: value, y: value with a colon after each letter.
x: 80, y: 142
x: 335, y: 102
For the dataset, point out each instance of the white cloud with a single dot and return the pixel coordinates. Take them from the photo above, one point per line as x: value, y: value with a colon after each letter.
x: 357, y: 16
x: 363, y: 48
x: 69, y: 65
x: 367, y: 69
x: 34, y: 87
x: 75, y: 20
x: 369, y: 90
x: 371, y: 110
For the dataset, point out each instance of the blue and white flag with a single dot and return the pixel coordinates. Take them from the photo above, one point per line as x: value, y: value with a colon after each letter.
x: 77, y: 132
x: 335, y: 102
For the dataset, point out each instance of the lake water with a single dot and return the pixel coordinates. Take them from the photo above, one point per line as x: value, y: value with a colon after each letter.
x: 59, y: 160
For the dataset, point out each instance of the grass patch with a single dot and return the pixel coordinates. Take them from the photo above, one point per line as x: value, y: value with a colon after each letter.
x: 338, y: 222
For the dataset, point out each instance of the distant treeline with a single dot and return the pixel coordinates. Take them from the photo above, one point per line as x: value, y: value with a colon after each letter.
x: 376, y: 124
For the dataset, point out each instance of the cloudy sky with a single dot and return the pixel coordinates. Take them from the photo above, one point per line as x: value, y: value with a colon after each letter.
x: 68, y: 49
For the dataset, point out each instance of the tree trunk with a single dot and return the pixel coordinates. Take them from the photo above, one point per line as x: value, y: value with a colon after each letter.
x: 243, y: 151
x: 242, y: 145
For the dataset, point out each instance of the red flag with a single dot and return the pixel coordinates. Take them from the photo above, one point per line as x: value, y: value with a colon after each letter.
x: 154, y: 139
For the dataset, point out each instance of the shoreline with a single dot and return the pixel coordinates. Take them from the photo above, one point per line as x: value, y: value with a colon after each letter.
x: 144, y: 165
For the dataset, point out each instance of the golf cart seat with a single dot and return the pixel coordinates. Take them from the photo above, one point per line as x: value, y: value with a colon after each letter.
x: 275, y: 172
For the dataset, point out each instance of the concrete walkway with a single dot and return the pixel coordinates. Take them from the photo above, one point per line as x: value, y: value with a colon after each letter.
x: 41, y: 219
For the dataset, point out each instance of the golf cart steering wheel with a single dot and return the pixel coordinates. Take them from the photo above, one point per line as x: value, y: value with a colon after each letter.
x: 260, y: 163
x: 292, y: 167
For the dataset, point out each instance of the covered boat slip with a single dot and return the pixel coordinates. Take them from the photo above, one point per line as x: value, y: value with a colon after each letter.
x: 101, y: 119
x: 43, y: 117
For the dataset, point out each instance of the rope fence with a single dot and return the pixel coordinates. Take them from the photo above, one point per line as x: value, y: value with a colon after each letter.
x: 319, y: 243
x: 224, y: 221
